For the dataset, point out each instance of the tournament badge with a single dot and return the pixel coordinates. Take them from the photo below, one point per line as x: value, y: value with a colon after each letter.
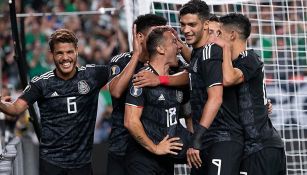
x: 179, y: 96
x: 83, y: 87
x: 134, y: 91
x: 115, y: 70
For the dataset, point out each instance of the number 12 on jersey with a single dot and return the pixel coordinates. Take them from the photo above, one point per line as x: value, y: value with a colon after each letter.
x: 171, y: 116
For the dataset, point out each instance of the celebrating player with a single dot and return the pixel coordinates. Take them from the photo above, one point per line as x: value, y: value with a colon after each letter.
x: 122, y: 68
x: 67, y: 98
x: 218, y: 140
x: 263, y: 147
x: 151, y: 114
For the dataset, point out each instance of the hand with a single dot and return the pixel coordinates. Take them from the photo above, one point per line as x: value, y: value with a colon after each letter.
x: 6, y: 99
x: 219, y: 41
x: 193, y: 158
x: 145, y: 78
x: 137, y: 41
x: 269, y: 106
x: 180, y: 43
x: 168, y: 146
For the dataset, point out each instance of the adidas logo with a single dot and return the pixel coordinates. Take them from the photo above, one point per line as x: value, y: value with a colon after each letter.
x: 55, y: 94
x: 161, y: 97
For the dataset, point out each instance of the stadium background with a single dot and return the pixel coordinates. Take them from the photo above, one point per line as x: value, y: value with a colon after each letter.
x: 103, y: 26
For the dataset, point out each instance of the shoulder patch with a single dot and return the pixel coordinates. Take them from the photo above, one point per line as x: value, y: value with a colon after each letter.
x: 115, y: 70
x: 134, y: 91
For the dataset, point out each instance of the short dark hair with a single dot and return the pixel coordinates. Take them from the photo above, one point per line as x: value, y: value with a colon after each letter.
x: 144, y: 22
x: 154, y: 39
x: 214, y: 18
x: 198, y: 7
x: 238, y: 21
x: 62, y: 36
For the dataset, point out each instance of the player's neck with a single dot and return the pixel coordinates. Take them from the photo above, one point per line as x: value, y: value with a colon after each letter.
x: 203, y: 41
x: 238, y: 47
x: 160, y: 67
x: 66, y: 76
x: 144, y: 57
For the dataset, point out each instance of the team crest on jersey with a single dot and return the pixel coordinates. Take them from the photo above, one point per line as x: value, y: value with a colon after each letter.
x: 115, y: 70
x: 134, y: 91
x: 179, y: 96
x: 83, y: 87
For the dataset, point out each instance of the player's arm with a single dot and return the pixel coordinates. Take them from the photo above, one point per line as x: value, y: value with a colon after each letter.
x: 186, y: 112
x: 146, y: 78
x: 231, y: 76
x: 30, y: 94
x: 210, y: 109
x: 185, y: 50
x: 133, y: 124
x: 189, y: 123
x: 213, y: 104
x: 211, y: 72
x: 120, y: 82
x: 13, y: 109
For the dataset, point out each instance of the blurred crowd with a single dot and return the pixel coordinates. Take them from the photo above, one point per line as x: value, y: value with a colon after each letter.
x: 278, y: 35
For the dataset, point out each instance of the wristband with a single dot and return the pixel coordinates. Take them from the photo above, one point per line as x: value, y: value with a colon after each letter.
x: 164, y: 80
x: 197, y: 138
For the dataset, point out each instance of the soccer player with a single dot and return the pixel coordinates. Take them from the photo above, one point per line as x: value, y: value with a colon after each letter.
x: 217, y: 143
x: 215, y: 31
x: 151, y: 114
x: 122, y: 67
x: 214, y: 26
x: 67, y: 99
x: 263, y: 147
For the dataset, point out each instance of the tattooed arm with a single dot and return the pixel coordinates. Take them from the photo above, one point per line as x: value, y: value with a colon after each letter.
x: 136, y: 129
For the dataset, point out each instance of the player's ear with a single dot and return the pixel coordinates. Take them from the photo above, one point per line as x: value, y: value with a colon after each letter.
x: 160, y: 49
x: 140, y: 35
x: 233, y: 35
x: 206, y: 25
x: 76, y: 52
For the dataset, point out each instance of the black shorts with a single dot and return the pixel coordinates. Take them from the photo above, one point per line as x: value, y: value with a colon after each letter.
x: 222, y: 158
x: 116, y: 165
x: 140, y: 161
x: 268, y: 161
x: 46, y: 168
